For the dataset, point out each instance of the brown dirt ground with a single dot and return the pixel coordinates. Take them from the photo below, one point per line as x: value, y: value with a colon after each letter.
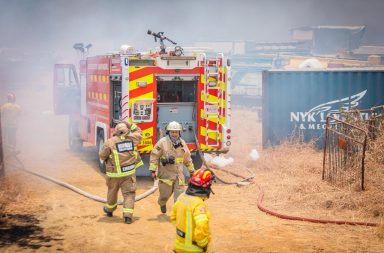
x: 289, y: 175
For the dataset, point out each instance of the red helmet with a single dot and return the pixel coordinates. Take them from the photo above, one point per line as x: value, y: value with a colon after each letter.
x: 11, y: 97
x: 202, y: 178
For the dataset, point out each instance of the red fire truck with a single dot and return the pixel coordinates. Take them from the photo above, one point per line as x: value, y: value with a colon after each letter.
x: 149, y: 89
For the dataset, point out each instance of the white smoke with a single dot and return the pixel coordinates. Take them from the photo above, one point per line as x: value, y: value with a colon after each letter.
x: 219, y: 161
x: 254, y: 155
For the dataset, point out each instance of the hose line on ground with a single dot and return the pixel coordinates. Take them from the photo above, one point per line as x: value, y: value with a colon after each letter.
x: 274, y: 213
x: 77, y: 190
x: 291, y: 217
x: 245, y: 179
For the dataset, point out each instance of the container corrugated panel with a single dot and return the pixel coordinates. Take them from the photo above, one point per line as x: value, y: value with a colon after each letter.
x: 297, y: 102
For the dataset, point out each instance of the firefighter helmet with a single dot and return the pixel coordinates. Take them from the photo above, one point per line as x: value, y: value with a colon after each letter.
x: 173, y: 126
x: 202, y: 178
x: 121, y: 129
x: 11, y: 97
x: 200, y: 183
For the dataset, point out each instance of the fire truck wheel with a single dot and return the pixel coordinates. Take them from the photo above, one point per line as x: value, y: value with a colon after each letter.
x: 100, y: 144
x: 75, y: 143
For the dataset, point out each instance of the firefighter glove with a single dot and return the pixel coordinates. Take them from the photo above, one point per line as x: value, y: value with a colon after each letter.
x: 168, y: 160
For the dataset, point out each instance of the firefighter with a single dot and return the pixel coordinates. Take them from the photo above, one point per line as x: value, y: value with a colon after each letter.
x: 190, y: 214
x: 166, y: 163
x: 10, y: 113
x: 122, y: 159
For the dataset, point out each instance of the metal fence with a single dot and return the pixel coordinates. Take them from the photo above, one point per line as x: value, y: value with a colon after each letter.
x: 370, y: 120
x: 344, y: 153
x: 375, y: 122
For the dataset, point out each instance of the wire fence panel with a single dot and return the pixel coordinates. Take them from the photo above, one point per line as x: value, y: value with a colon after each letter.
x: 375, y: 122
x: 344, y: 153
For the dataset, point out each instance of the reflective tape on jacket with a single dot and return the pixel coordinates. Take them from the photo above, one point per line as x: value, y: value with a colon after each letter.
x: 191, y: 167
x: 126, y: 170
x: 188, y: 245
x: 166, y: 181
x: 182, y: 182
x: 203, y: 242
x: 187, y: 248
x: 133, y: 127
x: 201, y: 217
x: 152, y: 166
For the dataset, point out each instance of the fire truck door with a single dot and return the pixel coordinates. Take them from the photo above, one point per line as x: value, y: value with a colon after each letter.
x: 184, y: 113
x: 66, y: 90
x: 177, y: 101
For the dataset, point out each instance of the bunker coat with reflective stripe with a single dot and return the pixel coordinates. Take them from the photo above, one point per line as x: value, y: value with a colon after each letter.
x: 121, y: 155
x: 191, y: 218
x: 170, y: 172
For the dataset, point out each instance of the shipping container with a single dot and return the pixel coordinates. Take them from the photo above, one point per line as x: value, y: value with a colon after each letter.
x: 297, y: 102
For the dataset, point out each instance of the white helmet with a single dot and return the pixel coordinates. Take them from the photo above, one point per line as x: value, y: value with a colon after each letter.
x: 173, y: 126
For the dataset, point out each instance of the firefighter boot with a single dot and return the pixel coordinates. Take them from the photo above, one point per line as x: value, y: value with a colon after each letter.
x: 128, y: 220
x: 163, y: 209
x: 108, y: 213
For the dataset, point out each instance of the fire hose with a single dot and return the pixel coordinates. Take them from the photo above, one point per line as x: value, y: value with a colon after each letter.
x: 155, y: 186
x: 277, y: 214
x: 77, y: 190
x: 245, y: 180
x: 314, y: 220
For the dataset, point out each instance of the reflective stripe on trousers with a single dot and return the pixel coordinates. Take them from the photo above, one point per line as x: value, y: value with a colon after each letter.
x: 127, y: 210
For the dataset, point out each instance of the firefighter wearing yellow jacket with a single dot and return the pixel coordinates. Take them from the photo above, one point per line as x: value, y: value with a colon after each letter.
x: 10, y: 113
x: 190, y: 214
x: 173, y: 153
x: 122, y: 160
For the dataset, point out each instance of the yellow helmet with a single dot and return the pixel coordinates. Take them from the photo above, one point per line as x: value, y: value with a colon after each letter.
x: 173, y: 126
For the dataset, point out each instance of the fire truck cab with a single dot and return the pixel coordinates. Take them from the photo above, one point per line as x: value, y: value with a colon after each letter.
x: 149, y: 89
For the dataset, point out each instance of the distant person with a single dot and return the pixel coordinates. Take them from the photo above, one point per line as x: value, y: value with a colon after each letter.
x: 122, y: 159
x: 10, y: 113
x: 190, y: 214
x: 166, y: 163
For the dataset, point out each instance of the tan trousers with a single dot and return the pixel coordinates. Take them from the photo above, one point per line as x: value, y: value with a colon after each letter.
x: 167, y: 190
x: 9, y: 136
x: 128, y: 189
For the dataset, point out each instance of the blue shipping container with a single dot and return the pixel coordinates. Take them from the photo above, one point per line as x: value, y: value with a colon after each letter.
x: 299, y: 101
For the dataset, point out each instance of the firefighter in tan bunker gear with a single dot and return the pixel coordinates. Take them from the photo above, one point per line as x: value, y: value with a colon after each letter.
x: 10, y: 113
x: 190, y: 214
x: 122, y: 159
x: 166, y: 163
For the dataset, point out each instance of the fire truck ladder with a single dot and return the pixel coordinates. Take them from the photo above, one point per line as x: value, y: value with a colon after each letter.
x: 213, y: 106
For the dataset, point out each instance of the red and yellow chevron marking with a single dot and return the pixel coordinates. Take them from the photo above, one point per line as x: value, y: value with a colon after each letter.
x: 136, y: 75
x: 146, y: 144
x: 207, y: 148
